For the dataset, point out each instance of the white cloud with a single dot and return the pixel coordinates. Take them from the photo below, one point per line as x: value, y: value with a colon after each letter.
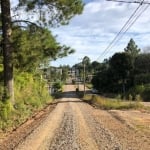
x: 90, y: 33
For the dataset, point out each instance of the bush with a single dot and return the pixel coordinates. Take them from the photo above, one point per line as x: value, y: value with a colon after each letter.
x: 31, y: 94
x: 6, y: 109
x: 130, y: 97
x: 137, y: 90
x: 142, y: 90
x: 146, y: 93
x: 142, y: 79
x: 6, y: 113
x: 58, y: 86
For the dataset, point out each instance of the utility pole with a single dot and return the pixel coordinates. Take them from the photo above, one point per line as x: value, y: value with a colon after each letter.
x: 84, y: 76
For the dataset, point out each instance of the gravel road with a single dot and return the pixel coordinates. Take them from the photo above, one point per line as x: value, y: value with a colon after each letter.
x: 75, y: 125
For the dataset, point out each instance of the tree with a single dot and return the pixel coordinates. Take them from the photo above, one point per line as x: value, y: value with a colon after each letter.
x: 132, y: 49
x: 142, y: 69
x: 86, y: 60
x: 7, y: 50
x: 34, y: 48
x: 50, y: 12
x: 142, y: 63
x: 121, y: 63
x: 105, y: 81
x: 65, y: 70
x: 95, y: 66
x: 59, y: 12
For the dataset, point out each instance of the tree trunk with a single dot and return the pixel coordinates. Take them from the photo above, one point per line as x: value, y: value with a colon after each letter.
x: 123, y: 88
x: 7, y: 50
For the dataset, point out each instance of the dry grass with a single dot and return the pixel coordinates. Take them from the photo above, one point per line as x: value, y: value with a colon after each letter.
x: 107, y: 104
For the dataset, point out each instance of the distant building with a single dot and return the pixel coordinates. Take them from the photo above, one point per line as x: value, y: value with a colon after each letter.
x: 72, y: 72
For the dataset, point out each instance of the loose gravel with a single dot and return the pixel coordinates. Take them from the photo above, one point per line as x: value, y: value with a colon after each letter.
x: 75, y: 125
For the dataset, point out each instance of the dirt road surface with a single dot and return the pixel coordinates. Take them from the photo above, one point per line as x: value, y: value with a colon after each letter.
x: 75, y: 125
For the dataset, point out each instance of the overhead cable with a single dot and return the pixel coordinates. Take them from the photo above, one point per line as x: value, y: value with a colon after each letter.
x: 129, y: 22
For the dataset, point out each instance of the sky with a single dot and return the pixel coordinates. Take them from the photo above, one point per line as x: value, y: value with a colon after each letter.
x: 91, y: 32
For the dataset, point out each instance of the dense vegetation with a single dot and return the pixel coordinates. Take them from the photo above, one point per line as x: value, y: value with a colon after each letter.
x: 27, y: 47
x: 126, y: 73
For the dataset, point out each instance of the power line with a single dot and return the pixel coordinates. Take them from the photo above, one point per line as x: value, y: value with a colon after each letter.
x: 107, y: 48
x: 129, y: 21
x: 136, y: 2
x: 130, y: 25
x: 110, y: 45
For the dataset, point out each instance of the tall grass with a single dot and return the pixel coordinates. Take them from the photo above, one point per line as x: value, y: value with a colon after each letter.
x: 31, y: 95
x: 107, y: 104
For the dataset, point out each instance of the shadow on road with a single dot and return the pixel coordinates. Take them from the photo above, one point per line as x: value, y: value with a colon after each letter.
x: 80, y: 101
x: 74, y: 94
x: 70, y: 94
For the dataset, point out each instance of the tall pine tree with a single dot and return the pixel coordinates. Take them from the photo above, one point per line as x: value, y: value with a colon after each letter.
x: 132, y: 49
x: 51, y: 12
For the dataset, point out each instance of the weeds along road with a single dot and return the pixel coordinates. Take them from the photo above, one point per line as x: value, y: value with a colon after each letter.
x: 75, y: 125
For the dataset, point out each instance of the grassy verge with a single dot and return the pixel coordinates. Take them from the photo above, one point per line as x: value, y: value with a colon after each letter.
x: 31, y: 95
x: 89, y: 86
x: 107, y: 104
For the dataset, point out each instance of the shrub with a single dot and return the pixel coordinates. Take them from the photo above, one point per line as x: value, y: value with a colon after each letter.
x: 130, y: 97
x: 146, y: 93
x: 5, y: 109
x: 57, y: 86
x: 31, y: 94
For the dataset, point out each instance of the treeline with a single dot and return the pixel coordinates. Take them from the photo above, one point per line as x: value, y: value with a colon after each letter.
x: 126, y: 74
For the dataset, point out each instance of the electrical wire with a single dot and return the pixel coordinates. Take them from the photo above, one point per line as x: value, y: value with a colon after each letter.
x: 137, y: 2
x: 130, y: 25
x: 129, y: 21
x: 121, y: 30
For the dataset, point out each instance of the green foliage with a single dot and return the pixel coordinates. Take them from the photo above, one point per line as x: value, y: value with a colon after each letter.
x: 142, y: 91
x: 58, y: 86
x: 123, y: 63
x: 127, y: 73
x: 95, y: 66
x: 118, y: 97
x: 132, y: 49
x: 142, y: 64
x: 1, y: 66
x: 34, y: 48
x: 138, y: 98
x: 6, y: 113
x: 146, y: 93
x: 86, y: 61
x: 111, y: 78
x: 142, y: 79
x: 59, y: 11
x: 5, y: 109
x: 130, y: 97
x: 89, y: 86
x: 64, y: 75
x: 31, y: 95
x: 33, y: 45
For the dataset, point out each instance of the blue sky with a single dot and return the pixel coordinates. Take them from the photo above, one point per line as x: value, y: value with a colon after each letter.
x: 92, y: 31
